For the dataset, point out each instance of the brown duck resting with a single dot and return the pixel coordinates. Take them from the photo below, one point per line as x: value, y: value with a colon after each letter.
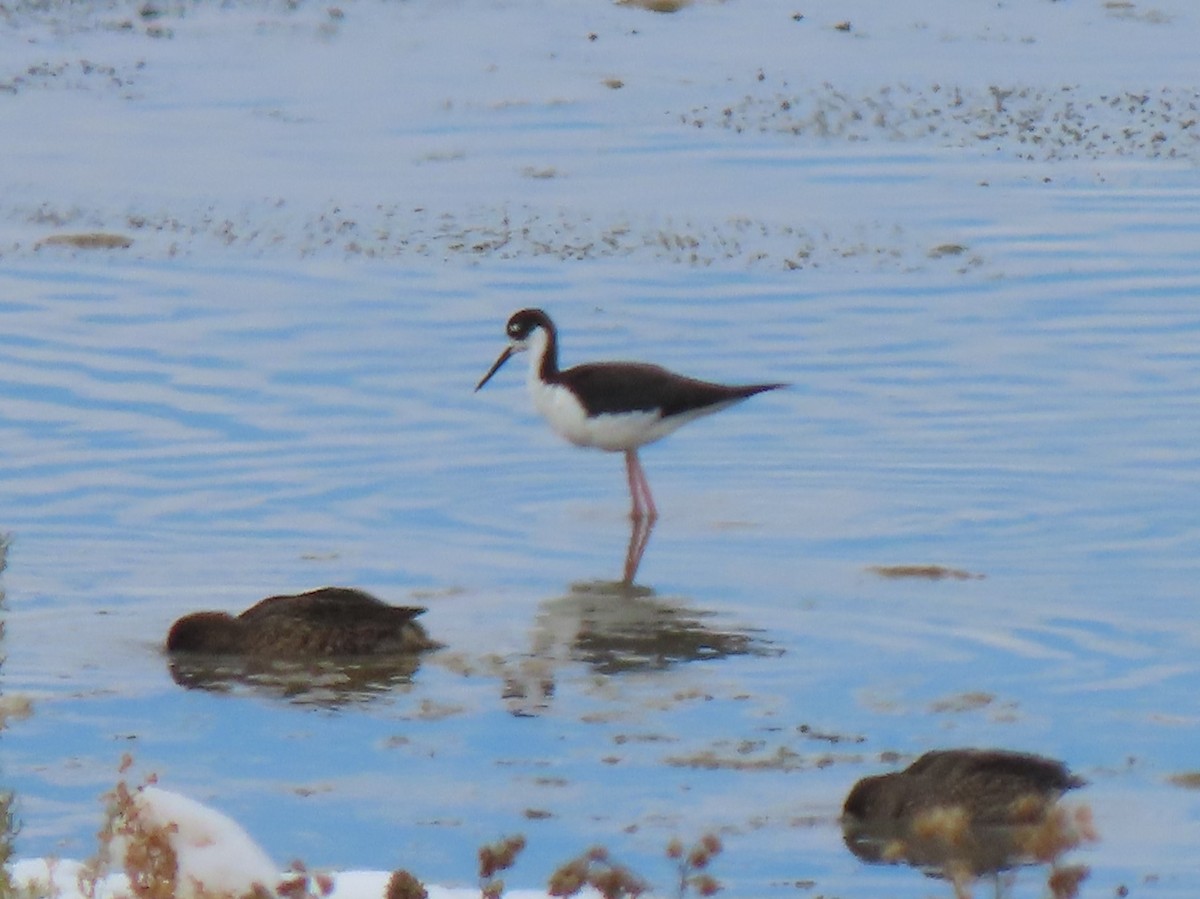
x: 330, y: 621
x: 956, y: 812
x: 991, y: 785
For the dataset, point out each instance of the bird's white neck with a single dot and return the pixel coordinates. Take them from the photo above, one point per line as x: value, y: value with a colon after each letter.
x: 538, y: 347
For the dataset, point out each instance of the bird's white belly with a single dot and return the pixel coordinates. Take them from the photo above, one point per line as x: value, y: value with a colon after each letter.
x: 614, y: 432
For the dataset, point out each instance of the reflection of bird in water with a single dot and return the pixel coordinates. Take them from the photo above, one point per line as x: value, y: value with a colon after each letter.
x: 957, y: 812
x: 618, y: 630
x: 639, y: 539
x: 319, y: 682
x: 331, y: 621
x: 613, y: 406
x: 615, y: 628
x: 325, y: 647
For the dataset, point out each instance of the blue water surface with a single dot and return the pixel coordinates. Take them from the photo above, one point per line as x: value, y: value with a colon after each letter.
x: 199, y: 434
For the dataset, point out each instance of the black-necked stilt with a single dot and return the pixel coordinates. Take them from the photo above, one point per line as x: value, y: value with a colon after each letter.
x: 613, y: 406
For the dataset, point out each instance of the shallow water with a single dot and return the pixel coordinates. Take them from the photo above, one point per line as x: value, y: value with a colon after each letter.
x: 993, y: 363
x: 181, y: 436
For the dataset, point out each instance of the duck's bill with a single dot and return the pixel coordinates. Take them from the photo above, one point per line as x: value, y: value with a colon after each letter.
x: 503, y: 357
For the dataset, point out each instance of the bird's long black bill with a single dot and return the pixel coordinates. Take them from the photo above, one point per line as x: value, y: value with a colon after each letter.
x: 508, y: 351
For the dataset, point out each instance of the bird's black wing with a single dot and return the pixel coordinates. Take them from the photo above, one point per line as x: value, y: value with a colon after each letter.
x: 606, y: 388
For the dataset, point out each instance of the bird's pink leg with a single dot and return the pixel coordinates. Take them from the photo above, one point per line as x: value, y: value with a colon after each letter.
x: 639, y: 489
x: 631, y: 461
x: 647, y: 497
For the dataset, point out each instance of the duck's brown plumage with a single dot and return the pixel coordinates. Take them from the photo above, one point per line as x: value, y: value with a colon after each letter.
x: 330, y: 621
x: 986, y: 783
x: 958, y: 812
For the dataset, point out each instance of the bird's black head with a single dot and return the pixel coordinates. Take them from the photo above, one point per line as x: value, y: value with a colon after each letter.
x: 521, y: 326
